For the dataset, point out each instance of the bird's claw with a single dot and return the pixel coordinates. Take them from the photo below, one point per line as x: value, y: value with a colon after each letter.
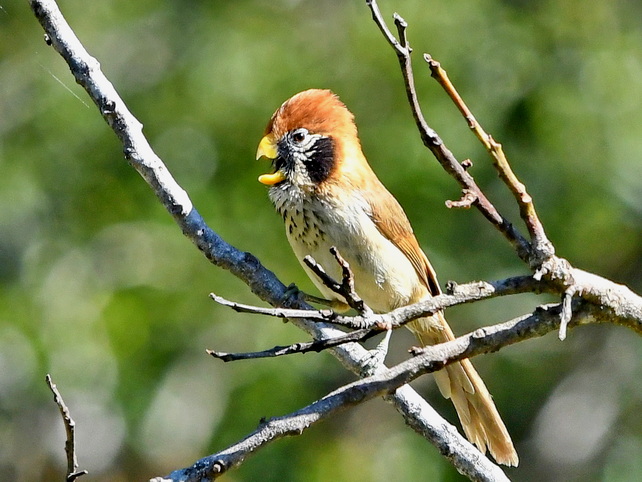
x: 375, y: 357
x: 293, y: 294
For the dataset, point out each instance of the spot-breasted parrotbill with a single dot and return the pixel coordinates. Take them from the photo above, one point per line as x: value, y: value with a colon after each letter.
x: 328, y: 195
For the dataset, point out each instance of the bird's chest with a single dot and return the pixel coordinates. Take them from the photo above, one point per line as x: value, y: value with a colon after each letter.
x: 306, y: 225
x: 384, y: 277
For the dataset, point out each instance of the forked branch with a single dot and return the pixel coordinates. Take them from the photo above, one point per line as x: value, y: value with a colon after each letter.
x: 426, y: 360
x: 538, y: 252
x: 345, y: 288
x: 542, y: 249
x: 435, y: 144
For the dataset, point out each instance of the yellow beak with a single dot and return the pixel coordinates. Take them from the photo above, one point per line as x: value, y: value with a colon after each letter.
x: 267, y: 148
x: 272, y: 179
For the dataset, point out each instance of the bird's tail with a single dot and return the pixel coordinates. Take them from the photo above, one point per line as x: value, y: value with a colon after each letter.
x: 474, y: 404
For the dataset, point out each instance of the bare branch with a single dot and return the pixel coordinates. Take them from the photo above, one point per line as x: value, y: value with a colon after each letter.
x: 347, y: 285
x: 620, y: 305
x: 370, y: 324
x: 317, y: 315
x: 456, y: 295
x: 542, y: 247
x: 436, y: 145
x: 70, y: 427
x: 357, y: 336
x: 609, y: 297
x: 615, y: 303
x: 427, y: 360
x: 345, y: 289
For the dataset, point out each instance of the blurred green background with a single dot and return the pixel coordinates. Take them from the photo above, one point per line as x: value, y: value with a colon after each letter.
x: 100, y: 289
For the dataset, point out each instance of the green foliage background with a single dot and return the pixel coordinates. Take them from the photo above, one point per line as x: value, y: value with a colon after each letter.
x: 100, y: 289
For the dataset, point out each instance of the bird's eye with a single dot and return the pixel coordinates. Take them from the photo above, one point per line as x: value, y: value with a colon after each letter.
x: 299, y: 135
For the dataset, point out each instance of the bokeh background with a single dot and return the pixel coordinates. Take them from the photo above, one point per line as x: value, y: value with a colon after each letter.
x: 100, y: 289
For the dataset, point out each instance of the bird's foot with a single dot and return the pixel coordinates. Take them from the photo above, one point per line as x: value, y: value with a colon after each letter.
x: 293, y: 292
x: 292, y: 296
x: 375, y: 357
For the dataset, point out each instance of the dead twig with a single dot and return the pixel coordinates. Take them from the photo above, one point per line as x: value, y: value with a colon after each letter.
x: 302, y: 347
x: 456, y: 294
x: 345, y: 289
x: 436, y: 145
x: 70, y: 427
x: 542, y: 248
x: 318, y: 315
x: 467, y: 199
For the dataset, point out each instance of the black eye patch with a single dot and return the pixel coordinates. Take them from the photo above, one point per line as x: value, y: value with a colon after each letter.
x: 320, y: 159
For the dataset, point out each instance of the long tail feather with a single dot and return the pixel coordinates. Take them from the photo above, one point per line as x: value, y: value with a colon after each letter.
x: 461, y: 383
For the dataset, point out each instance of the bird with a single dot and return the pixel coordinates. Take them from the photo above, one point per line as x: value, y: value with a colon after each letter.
x: 328, y: 196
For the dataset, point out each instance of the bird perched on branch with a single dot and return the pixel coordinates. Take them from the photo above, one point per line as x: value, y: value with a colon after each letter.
x: 328, y: 195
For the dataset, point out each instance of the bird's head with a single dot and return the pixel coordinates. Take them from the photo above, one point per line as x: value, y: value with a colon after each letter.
x: 310, y: 139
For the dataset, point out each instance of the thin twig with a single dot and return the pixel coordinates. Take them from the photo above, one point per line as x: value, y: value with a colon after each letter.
x: 468, y: 198
x: 356, y: 336
x: 347, y: 285
x: 542, y: 247
x: 456, y: 294
x: 345, y: 289
x: 436, y: 145
x: 70, y: 427
x: 318, y: 315
x: 318, y: 270
x: 567, y: 311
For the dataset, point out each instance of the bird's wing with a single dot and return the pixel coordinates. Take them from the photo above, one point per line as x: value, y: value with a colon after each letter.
x: 393, y: 224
